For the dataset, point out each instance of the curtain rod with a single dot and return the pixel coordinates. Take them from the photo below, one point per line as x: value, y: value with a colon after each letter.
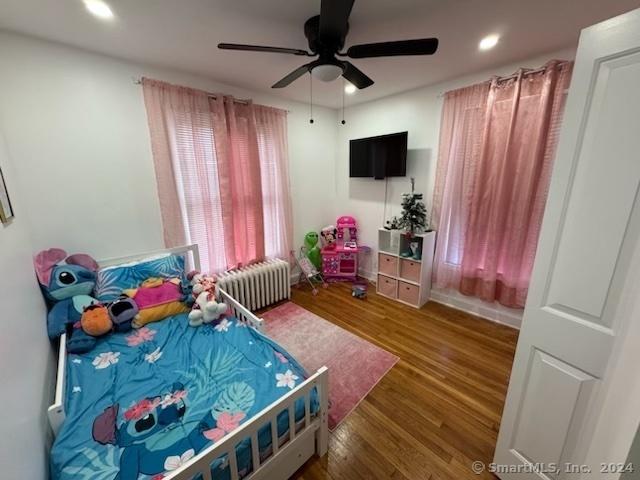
x: 528, y: 71
x: 525, y: 72
x: 138, y: 81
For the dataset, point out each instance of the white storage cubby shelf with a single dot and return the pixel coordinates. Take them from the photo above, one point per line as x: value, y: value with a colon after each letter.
x: 405, y: 279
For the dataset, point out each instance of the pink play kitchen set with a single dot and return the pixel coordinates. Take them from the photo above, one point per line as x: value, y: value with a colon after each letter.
x: 340, y: 250
x: 337, y: 260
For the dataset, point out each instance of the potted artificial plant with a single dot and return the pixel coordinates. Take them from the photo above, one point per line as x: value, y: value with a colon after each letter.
x: 413, y: 220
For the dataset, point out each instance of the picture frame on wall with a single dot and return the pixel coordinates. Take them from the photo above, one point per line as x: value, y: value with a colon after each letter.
x: 6, y: 210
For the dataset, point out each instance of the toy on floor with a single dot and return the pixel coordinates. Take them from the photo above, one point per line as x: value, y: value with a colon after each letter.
x: 309, y: 272
x: 66, y: 282
x: 359, y: 290
x: 340, y: 254
x: 312, y: 249
x: 205, y: 308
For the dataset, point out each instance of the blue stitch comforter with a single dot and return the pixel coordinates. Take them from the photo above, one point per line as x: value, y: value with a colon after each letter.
x: 143, y: 403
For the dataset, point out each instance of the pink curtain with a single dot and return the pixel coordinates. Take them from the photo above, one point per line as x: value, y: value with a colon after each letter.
x: 236, y: 151
x: 271, y: 127
x: 463, y: 116
x: 497, y: 142
x: 217, y: 163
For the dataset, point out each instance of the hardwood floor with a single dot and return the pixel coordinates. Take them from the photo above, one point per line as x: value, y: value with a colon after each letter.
x: 439, y: 407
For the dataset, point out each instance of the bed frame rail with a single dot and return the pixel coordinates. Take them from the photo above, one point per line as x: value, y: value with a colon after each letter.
x: 311, y: 433
x: 55, y: 412
x: 240, y: 311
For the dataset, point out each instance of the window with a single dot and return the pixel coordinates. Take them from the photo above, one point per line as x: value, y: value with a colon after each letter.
x: 222, y: 173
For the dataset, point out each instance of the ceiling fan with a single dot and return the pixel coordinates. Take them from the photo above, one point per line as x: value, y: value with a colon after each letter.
x: 326, y: 34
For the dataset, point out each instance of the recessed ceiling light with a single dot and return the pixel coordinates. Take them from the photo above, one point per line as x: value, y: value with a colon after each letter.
x: 99, y: 8
x: 350, y: 88
x: 488, y: 42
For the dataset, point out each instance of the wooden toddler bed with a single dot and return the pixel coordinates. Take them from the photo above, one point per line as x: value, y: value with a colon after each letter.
x: 270, y: 439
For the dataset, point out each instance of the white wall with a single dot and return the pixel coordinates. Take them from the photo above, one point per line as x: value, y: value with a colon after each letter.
x: 76, y: 125
x: 26, y: 358
x: 82, y: 178
x: 418, y: 112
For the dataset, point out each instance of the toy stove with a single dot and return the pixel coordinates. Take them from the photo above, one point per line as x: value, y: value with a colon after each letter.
x: 340, y: 252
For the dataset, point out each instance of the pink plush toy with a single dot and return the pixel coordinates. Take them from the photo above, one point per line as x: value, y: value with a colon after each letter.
x: 200, y: 283
x: 205, y: 308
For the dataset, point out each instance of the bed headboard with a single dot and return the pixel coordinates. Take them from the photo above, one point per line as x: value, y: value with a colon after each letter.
x: 184, y: 250
x: 56, y: 411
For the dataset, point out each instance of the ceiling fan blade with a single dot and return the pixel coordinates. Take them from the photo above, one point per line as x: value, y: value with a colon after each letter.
x: 334, y: 21
x: 423, y: 46
x: 261, y: 48
x: 297, y: 73
x: 356, y: 76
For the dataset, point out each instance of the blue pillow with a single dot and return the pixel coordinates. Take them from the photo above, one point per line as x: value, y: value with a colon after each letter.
x: 112, y: 281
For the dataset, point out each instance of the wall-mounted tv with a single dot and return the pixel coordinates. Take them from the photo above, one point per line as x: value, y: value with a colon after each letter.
x: 379, y: 157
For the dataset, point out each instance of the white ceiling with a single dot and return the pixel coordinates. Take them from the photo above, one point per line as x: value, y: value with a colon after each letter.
x: 184, y: 34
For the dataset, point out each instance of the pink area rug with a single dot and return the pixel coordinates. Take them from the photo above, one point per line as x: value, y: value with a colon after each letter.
x: 355, y: 365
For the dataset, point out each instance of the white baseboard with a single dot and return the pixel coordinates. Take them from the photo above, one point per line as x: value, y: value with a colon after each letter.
x: 511, y: 317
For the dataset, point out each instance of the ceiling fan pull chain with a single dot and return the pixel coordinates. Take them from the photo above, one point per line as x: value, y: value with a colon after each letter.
x: 344, y: 84
x: 310, y: 98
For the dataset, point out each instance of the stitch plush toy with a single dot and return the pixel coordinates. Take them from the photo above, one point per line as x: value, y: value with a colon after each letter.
x: 205, y: 309
x: 66, y: 282
x: 148, y: 436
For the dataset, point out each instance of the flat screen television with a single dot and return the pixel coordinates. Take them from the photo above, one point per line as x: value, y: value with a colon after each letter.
x: 379, y: 157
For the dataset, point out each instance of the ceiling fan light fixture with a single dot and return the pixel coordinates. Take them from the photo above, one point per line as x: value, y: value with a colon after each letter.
x: 99, y: 9
x: 488, y: 42
x: 350, y: 88
x: 326, y: 34
x: 326, y: 72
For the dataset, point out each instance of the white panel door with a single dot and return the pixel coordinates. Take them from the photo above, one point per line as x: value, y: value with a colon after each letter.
x: 570, y: 327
